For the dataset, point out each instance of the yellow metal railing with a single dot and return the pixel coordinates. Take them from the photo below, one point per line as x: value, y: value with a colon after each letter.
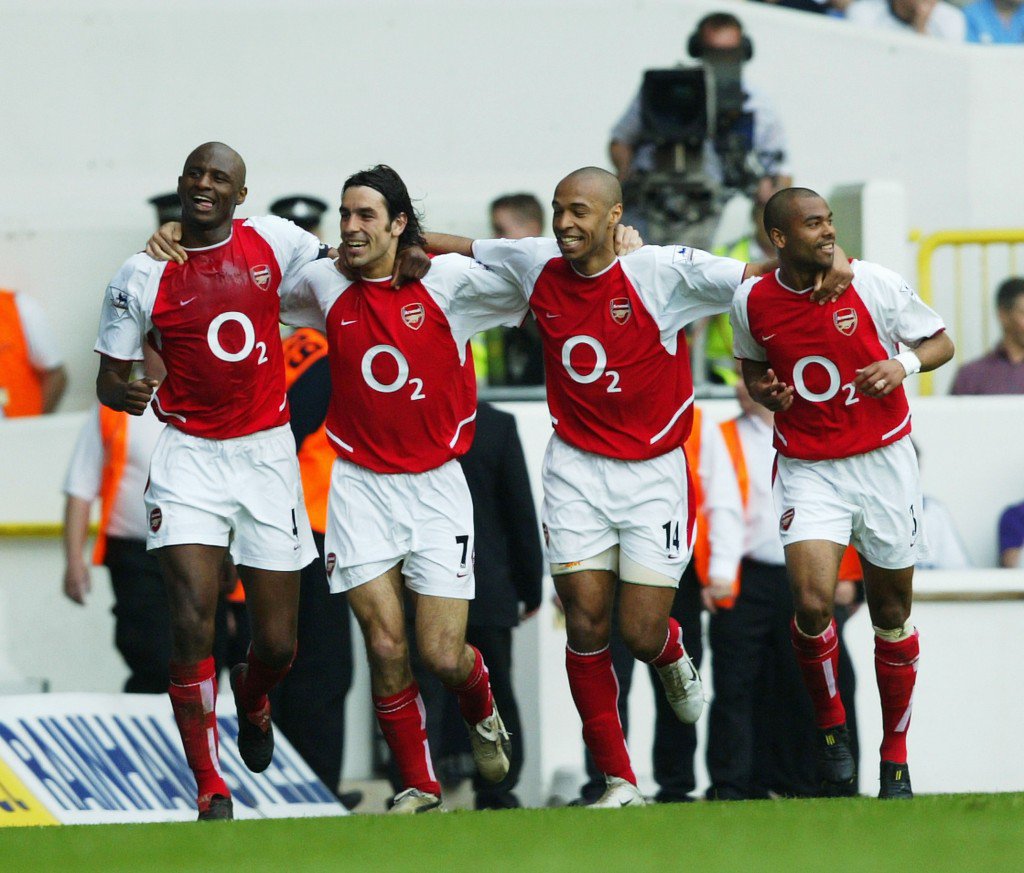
x: 957, y: 240
x: 37, y: 530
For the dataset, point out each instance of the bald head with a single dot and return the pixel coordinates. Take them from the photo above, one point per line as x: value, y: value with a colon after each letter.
x: 595, y: 183
x: 221, y: 154
x: 782, y: 207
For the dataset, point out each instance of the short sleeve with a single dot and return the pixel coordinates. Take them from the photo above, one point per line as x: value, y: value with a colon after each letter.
x: 43, y: 350
x: 300, y: 304
x: 679, y: 284
x: 125, y: 313
x: 744, y: 346
x: 474, y: 296
x: 904, y: 316
x: 293, y: 246
x: 85, y: 469
x: 517, y: 260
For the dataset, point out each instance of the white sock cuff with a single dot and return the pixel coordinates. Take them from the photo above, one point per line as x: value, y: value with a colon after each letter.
x: 896, y: 634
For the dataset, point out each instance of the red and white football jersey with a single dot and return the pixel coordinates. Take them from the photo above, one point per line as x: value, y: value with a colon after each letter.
x: 215, y: 322
x: 818, y: 350
x: 615, y: 357
x: 403, y: 385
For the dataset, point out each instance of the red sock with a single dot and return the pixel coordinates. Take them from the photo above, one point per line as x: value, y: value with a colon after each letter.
x: 818, y: 658
x: 475, y: 699
x: 896, y: 672
x: 595, y: 691
x: 673, y: 649
x: 193, y: 693
x: 256, y: 681
x: 403, y: 721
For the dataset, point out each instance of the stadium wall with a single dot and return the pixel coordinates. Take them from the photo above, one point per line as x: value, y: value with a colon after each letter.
x: 102, y: 101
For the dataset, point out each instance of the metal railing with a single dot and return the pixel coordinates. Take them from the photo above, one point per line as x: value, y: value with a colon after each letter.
x: 958, y: 240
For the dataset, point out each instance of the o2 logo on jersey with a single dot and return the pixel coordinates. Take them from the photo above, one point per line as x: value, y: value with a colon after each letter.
x: 248, y: 342
x: 401, y: 377
x: 621, y: 309
x: 600, y: 363
x: 413, y: 315
x: 800, y: 370
x: 845, y: 321
x: 261, y: 276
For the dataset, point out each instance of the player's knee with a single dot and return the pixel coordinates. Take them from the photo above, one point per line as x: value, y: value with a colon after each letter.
x: 588, y: 630
x: 644, y: 636
x: 446, y: 664
x: 387, y: 649
x: 813, y: 611
x: 276, y: 652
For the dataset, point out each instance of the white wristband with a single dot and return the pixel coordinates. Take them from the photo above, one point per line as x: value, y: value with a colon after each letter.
x: 911, y: 362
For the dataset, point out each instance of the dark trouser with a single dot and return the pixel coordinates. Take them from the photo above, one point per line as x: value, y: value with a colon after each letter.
x: 309, y: 704
x: 142, y: 626
x: 761, y: 731
x: 674, y: 742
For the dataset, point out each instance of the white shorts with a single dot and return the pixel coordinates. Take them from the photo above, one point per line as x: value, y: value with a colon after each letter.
x: 243, y: 492
x: 422, y: 520
x: 872, y: 500
x: 592, y: 503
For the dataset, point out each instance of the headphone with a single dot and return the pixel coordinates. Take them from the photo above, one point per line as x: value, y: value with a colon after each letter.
x: 695, y: 42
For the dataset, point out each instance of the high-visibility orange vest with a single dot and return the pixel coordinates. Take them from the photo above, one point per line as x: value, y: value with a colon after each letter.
x: 849, y: 568
x: 702, y: 543
x: 21, y: 389
x: 316, y: 457
x: 114, y: 438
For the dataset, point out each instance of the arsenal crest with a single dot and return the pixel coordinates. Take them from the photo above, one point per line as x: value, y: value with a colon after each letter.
x: 412, y: 315
x: 845, y: 321
x: 786, y: 519
x: 261, y: 276
x: 331, y: 562
x: 155, y: 518
x: 621, y: 309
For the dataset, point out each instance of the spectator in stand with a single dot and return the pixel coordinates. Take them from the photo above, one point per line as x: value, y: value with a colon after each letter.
x: 945, y: 547
x: 302, y: 209
x: 927, y: 17
x: 1001, y: 371
x: 1011, y: 536
x: 167, y: 206
x: 32, y: 374
x: 995, y: 21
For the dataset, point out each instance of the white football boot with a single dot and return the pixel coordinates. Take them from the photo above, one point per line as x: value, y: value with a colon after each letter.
x: 491, y: 746
x: 683, y: 688
x: 620, y: 792
x: 412, y: 800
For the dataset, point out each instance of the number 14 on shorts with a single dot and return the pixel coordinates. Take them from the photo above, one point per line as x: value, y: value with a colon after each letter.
x: 671, y: 529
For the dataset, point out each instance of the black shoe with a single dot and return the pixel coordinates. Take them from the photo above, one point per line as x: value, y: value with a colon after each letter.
x: 496, y: 800
x: 894, y: 781
x: 220, y: 808
x: 350, y: 799
x: 255, y: 742
x: 837, y: 771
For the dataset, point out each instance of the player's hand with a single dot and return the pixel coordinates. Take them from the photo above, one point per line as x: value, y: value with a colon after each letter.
x: 880, y: 378
x: 411, y: 264
x: 627, y: 239
x: 77, y: 583
x: 715, y: 594
x: 829, y: 285
x: 164, y: 245
x: 137, y: 395
x: 771, y: 393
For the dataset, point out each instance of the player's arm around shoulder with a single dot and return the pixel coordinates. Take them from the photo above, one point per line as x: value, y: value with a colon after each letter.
x: 308, y: 293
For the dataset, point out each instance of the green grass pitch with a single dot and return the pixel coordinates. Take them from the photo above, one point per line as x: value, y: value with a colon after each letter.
x: 962, y: 832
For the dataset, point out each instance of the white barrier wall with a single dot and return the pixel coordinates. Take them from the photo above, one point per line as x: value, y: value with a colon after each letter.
x: 102, y: 101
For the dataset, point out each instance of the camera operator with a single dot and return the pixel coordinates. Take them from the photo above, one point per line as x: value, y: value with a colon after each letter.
x: 674, y: 197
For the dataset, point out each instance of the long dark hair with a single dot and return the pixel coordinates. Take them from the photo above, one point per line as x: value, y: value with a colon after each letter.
x: 386, y: 182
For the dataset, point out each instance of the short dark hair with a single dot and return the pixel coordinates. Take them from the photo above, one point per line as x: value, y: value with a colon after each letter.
x: 525, y: 206
x: 718, y: 21
x: 386, y: 182
x: 777, y: 209
x: 1008, y: 292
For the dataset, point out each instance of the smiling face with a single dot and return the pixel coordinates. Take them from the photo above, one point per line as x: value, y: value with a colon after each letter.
x: 210, y: 186
x: 807, y: 242
x: 585, y: 212
x: 369, y: 236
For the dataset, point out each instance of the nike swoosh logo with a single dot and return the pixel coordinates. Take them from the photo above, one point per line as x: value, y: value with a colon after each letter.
x: 765, y: 339
x: 552, y: 314
x: 345, y: 323
x: 187, y: 302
